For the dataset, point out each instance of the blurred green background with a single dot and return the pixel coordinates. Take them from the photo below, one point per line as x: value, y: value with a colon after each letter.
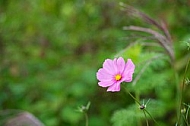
x: 50, y: 51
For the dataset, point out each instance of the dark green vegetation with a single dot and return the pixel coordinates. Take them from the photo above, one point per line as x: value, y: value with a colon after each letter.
x: 50, y: 52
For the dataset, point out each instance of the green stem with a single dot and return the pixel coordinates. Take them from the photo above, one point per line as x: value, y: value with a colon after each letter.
x: 187, y: 113
x: 145, y: 118
x: 138, y: 99
x: 150, y: 116
x: 186, y: 122
x: 132, y: 96
x: 181, y: 92
x: 179, y: 100
x: 86, y: 117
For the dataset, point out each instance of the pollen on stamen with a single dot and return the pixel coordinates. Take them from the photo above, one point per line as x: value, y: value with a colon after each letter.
x: 117, y: 77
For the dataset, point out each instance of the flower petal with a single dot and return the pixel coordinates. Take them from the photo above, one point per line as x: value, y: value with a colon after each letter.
x: 103, y: 75
x: 109, y: 66
x: 129, y: 70
x: 115, y: 87
x: 105, y: 83
x: 120, y: 64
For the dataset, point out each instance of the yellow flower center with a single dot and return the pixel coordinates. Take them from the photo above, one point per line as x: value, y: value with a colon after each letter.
x: 117, y: 77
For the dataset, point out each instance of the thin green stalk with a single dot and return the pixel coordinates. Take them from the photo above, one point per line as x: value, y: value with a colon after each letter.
x: 86, y: 118
x: 178, y: 103
x: 132, y: 96
x: 151, y: 116
x: 187, y: 113
x: 186, y: 117
x: 145, y: 118
x: 137, y: 96
x: 186, y: 122
x: 181, y: 92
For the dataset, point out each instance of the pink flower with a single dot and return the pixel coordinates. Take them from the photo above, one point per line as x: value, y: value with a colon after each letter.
x: 114, y: 72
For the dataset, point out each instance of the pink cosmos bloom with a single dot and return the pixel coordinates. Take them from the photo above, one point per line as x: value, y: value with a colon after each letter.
x: 114, y: 72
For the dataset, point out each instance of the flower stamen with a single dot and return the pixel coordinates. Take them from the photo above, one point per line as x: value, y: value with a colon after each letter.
x: 117, y: 77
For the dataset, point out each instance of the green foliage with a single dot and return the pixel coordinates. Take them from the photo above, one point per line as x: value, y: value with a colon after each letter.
x: 50, y: 52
